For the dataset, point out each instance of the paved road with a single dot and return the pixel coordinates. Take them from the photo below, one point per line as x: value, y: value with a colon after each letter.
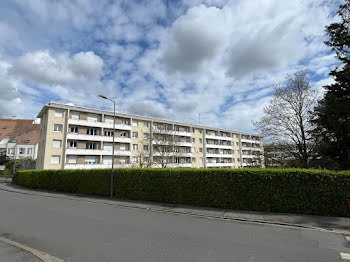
x: 82, y: 231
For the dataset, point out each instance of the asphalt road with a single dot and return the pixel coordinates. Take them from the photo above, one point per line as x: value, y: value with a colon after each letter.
x: 81, y: 231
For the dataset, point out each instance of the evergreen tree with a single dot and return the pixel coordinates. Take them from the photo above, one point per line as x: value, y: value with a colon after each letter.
x: 332, y: 114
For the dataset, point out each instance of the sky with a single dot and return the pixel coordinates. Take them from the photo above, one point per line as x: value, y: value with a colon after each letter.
x: 168, y: 59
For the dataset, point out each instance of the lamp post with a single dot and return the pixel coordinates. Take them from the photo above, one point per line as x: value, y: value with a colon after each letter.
x: 14, y: 162
x: 112, y: 173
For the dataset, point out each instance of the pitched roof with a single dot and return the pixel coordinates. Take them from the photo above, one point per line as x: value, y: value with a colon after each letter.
x: 24, y: 131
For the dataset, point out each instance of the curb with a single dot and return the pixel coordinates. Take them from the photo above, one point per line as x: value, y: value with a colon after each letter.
x: 221, y: 215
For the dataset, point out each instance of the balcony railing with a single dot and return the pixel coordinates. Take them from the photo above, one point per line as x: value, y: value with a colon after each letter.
x: 226, y: 138
x: 75, y: 136
x: 76, y: 151
x: 219, y: 155
x: 218, y: 146
x: 219, y: 164
x: 98, y: 124
x: 94, y: 166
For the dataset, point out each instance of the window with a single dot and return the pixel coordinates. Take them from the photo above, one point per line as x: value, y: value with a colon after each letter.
x: 19, y: 134
x: 74, y: 129
x: 200, y: 150
x: 91, y: 145
x: 145, y: 147
x: 75, y: 115
x: 92, y: 117
x: 135, y: 147
x: 25, y: 141
x: 90, y: 160
x: 193, y: 150
x: 238, y: 159
x: 200, y: 131
x: 193, y: 130
x: 134, y: 159
x: 176, y: 149
x: 9, y: 134
x: 30, y: 134
x: 30, y: 151
x: 108, y: 133
x: 122, y: 161
x: 201, y: 140
x: 73, y: 144
x: 57, y: 128
x: 193, y: 140
x: 124, y: 121
x: 22, y: 151
x: 108, y: 146
x: 145, y: 135
x: 55, y: 159
x: 91, y: 131
x: 4, y: 127
x: 177, y: 128
x: 135, y: 123
x: 193, y: 160
x: 72, y: 159
x: 122, y: 147
x: 176, y: 160
x: 145, y: 159
x: 58, y: 113
x: 56, y: 143
x: 237, y: 143
x: 11, y: 151
x: 145, y: 124
x: 135, y: 134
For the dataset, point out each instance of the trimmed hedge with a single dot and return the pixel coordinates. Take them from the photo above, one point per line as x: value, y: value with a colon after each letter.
x: 314, y: 192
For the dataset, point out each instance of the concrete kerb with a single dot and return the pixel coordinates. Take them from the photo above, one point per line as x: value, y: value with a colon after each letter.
x: 329, y: 224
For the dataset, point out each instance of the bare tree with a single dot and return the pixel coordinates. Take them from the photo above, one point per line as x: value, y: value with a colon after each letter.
x: 143, y: 153
x: 287, y: 118
x: 165, y: 144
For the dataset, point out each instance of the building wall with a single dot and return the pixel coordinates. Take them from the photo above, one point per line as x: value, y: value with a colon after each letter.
x: 48, y: 130
x: 228, y: 154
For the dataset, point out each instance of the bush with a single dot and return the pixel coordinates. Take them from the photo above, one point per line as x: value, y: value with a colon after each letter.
x: 300, y: 191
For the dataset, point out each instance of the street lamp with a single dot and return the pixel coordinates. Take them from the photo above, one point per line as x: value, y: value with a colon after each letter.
x: 112, y: 173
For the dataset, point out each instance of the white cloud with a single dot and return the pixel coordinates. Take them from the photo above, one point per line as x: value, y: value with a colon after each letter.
x: 41, y: 67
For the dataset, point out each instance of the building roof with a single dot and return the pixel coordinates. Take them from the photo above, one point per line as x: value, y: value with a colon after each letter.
x: 21, y: 131
x: 110, y: 113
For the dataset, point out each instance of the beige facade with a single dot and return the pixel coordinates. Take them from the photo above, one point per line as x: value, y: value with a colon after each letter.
x: 74, y: 137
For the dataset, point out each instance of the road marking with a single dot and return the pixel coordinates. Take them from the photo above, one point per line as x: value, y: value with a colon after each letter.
x: 345, y: 256
x: 347, y: 238
x: 39, y: 254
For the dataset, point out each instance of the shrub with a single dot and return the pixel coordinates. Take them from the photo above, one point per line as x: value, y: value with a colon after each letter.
x: 316, y: 192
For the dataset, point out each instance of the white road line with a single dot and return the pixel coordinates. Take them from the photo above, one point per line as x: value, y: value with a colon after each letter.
x: 39, y: 254
x: 347, y: 238
x: 345, y: 256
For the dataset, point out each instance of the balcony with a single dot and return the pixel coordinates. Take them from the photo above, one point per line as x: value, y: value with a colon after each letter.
x: 250, y: 156
x: 251, y: 148
x: 171, y: 132
x: 244, y: 140
x: 188, y: 144
x: 218, y: 146
x: 218, y: 137
x: 177, y: 154
x: 174, y: 165
x: 219, y: 155
x: 81, y: 122
x: 219, y: 164
x: 76, y: 151
x: 94, y: 166
x: 75, y: 136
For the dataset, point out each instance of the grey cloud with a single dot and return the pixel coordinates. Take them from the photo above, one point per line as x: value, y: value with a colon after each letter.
x: 266, y: 49
x: 148, y: 108
x: 190, y: 50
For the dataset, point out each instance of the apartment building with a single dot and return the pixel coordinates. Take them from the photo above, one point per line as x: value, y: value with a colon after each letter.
x: 19, y: 138
x: 73, y: 137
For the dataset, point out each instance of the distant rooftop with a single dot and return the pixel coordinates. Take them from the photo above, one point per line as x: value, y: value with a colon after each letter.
x: 20, y: 131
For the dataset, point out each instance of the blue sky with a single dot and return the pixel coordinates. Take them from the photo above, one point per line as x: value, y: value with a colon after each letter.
x: 172, y: 59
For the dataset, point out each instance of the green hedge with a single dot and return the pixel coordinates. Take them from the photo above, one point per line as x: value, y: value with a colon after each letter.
x: 273, y: 190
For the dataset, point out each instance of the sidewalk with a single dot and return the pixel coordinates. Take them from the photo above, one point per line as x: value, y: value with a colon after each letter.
x: 336, y: 224
x: 9, y: 253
